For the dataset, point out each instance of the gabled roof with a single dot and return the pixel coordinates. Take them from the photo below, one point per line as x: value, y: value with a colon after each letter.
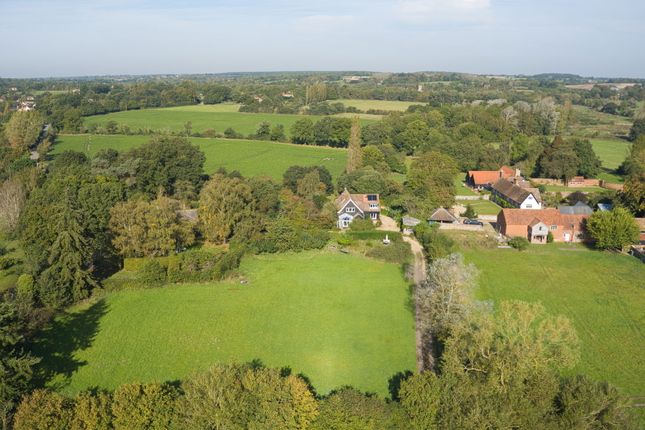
x: 442, y: 215
x: 362, y: 201
x: 485, y: 177
x: 548, y: 216
x: 515, y: 192
x: 409, y: 221
x: 577, y: 209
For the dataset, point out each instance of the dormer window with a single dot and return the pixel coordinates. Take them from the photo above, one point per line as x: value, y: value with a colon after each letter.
x: 373, y: 205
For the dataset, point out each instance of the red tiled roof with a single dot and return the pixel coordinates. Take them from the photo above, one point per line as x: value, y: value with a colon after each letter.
x: 548, y: 216
x: 361, y: 201
x: 485, y: 177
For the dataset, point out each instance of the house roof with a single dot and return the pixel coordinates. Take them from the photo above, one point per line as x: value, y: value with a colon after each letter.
x: 485, y: 177
x: 577, y: 209
x: 548, y: 216
x: 515, y: 192
x: 442, y: 215
x: 409, y: 221
x: 604, y: 207
x: 362, y: 201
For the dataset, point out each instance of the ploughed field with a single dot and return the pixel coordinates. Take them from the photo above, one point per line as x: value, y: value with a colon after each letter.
x: 602, y: 293
x: 339, y: 319
x: 202, y: 118
x: 249, y: 157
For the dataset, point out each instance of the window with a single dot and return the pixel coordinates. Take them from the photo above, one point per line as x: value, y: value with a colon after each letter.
x: 529, y: 206
x: 554, y: 227
x: 373, y: 205
x: 374, y: 215
x: 350, y: 209
x: 372, y: 197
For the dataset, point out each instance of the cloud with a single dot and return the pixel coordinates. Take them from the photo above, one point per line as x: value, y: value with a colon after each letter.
x: 425, y: 11
x: 320, y: 23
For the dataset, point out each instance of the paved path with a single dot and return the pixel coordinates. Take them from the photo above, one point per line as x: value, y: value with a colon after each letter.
x: 418, y: 275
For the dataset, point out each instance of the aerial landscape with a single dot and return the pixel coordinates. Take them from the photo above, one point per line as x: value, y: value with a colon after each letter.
x: 235, y: 224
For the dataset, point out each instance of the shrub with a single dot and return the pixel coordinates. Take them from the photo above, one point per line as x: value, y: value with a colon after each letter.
x: 6, y: 262
x: 469, y: 212
x: 344, y: 239
x: 519, y: 243
x: 375, y: 235
x: 435, y: 243
x: 362, y: 225
x: 613, y: 230
x: 395, y: 252
x: 152, y: 273
x: 549, y: 238
x: 43, y: 409
x: 92, y: 411
x: 143, y: 406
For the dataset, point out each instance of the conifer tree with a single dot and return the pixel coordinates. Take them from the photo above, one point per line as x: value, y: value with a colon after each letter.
x: 355, y: 154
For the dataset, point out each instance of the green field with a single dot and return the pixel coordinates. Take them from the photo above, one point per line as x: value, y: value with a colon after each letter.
x: 482, y: 207
x: 250, y: 157
x: 364, y: 105
x: 460, y: 186
x: 562, y: 188
x: 339, y: 319
x: 602, y: 293
x: 612, y: 153
x: 202, y: 117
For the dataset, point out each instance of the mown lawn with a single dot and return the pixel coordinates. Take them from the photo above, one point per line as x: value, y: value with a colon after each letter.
x: 482, y: 207
x: 364, y: 105
x: 339, y: 319
x: 250, y: 157
x: 202, y: 117
x: 612, y: 153
x: 602, y: 293
x: 461, y: 189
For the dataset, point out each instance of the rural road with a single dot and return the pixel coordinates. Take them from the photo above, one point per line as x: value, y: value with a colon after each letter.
x: 418, y: 275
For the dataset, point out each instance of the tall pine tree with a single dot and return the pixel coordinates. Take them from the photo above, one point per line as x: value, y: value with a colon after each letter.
x: 355, y: 153
x: 69, y: 276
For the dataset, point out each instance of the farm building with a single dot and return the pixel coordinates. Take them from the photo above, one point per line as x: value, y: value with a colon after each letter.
x: 509, y: 193
x: 443, y: 216
x: 579, y: 208
x: 535, y: 225
x: 485, y: 178
x: 352, y: 206
x: 409, y: 223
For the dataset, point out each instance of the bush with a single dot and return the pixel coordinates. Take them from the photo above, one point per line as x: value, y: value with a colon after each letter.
x: 344, y: 239
x: 6, y: 262
x: 194, y: 266
x: 43, y: 409
x: 519, y: 243
x: 549, y: 238
x: 362, y: 225
x: 374, y: 235
x: 613, y: 230
x: 143, y: 406
x: 435, y: 243
x: 152, y: 273
x: 395, y: 252
x: 469, y: 212
x: 282, y: 236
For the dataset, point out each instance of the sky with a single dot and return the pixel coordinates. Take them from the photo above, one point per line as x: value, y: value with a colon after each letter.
x: 45, y: 38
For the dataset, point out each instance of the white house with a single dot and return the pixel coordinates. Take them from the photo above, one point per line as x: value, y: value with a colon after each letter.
x: 508, y: 193
x: 352, y: 206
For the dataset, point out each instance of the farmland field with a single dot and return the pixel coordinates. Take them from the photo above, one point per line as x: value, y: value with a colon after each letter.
x: 249, y: 157
x: 612, y: 152
x: 602, y: 293
x: 202, y: 117
x: 339, y: 319
x: 364, y: 105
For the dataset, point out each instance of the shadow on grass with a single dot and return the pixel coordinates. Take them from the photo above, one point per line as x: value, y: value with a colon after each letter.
x: 56, y: 345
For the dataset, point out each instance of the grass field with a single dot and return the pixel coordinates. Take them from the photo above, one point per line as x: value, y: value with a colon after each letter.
x: 593, y: 124
x: 364, y: 105
x: 339, y: 319
x: 612, y: 153
x: 483, y: 207
x: 461, y: 188
x: 602, y: 293
x: 203, y: 117
x: 250, y: 157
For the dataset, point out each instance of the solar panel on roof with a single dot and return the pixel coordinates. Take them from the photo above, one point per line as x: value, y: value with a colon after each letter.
x: 371, y: 197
